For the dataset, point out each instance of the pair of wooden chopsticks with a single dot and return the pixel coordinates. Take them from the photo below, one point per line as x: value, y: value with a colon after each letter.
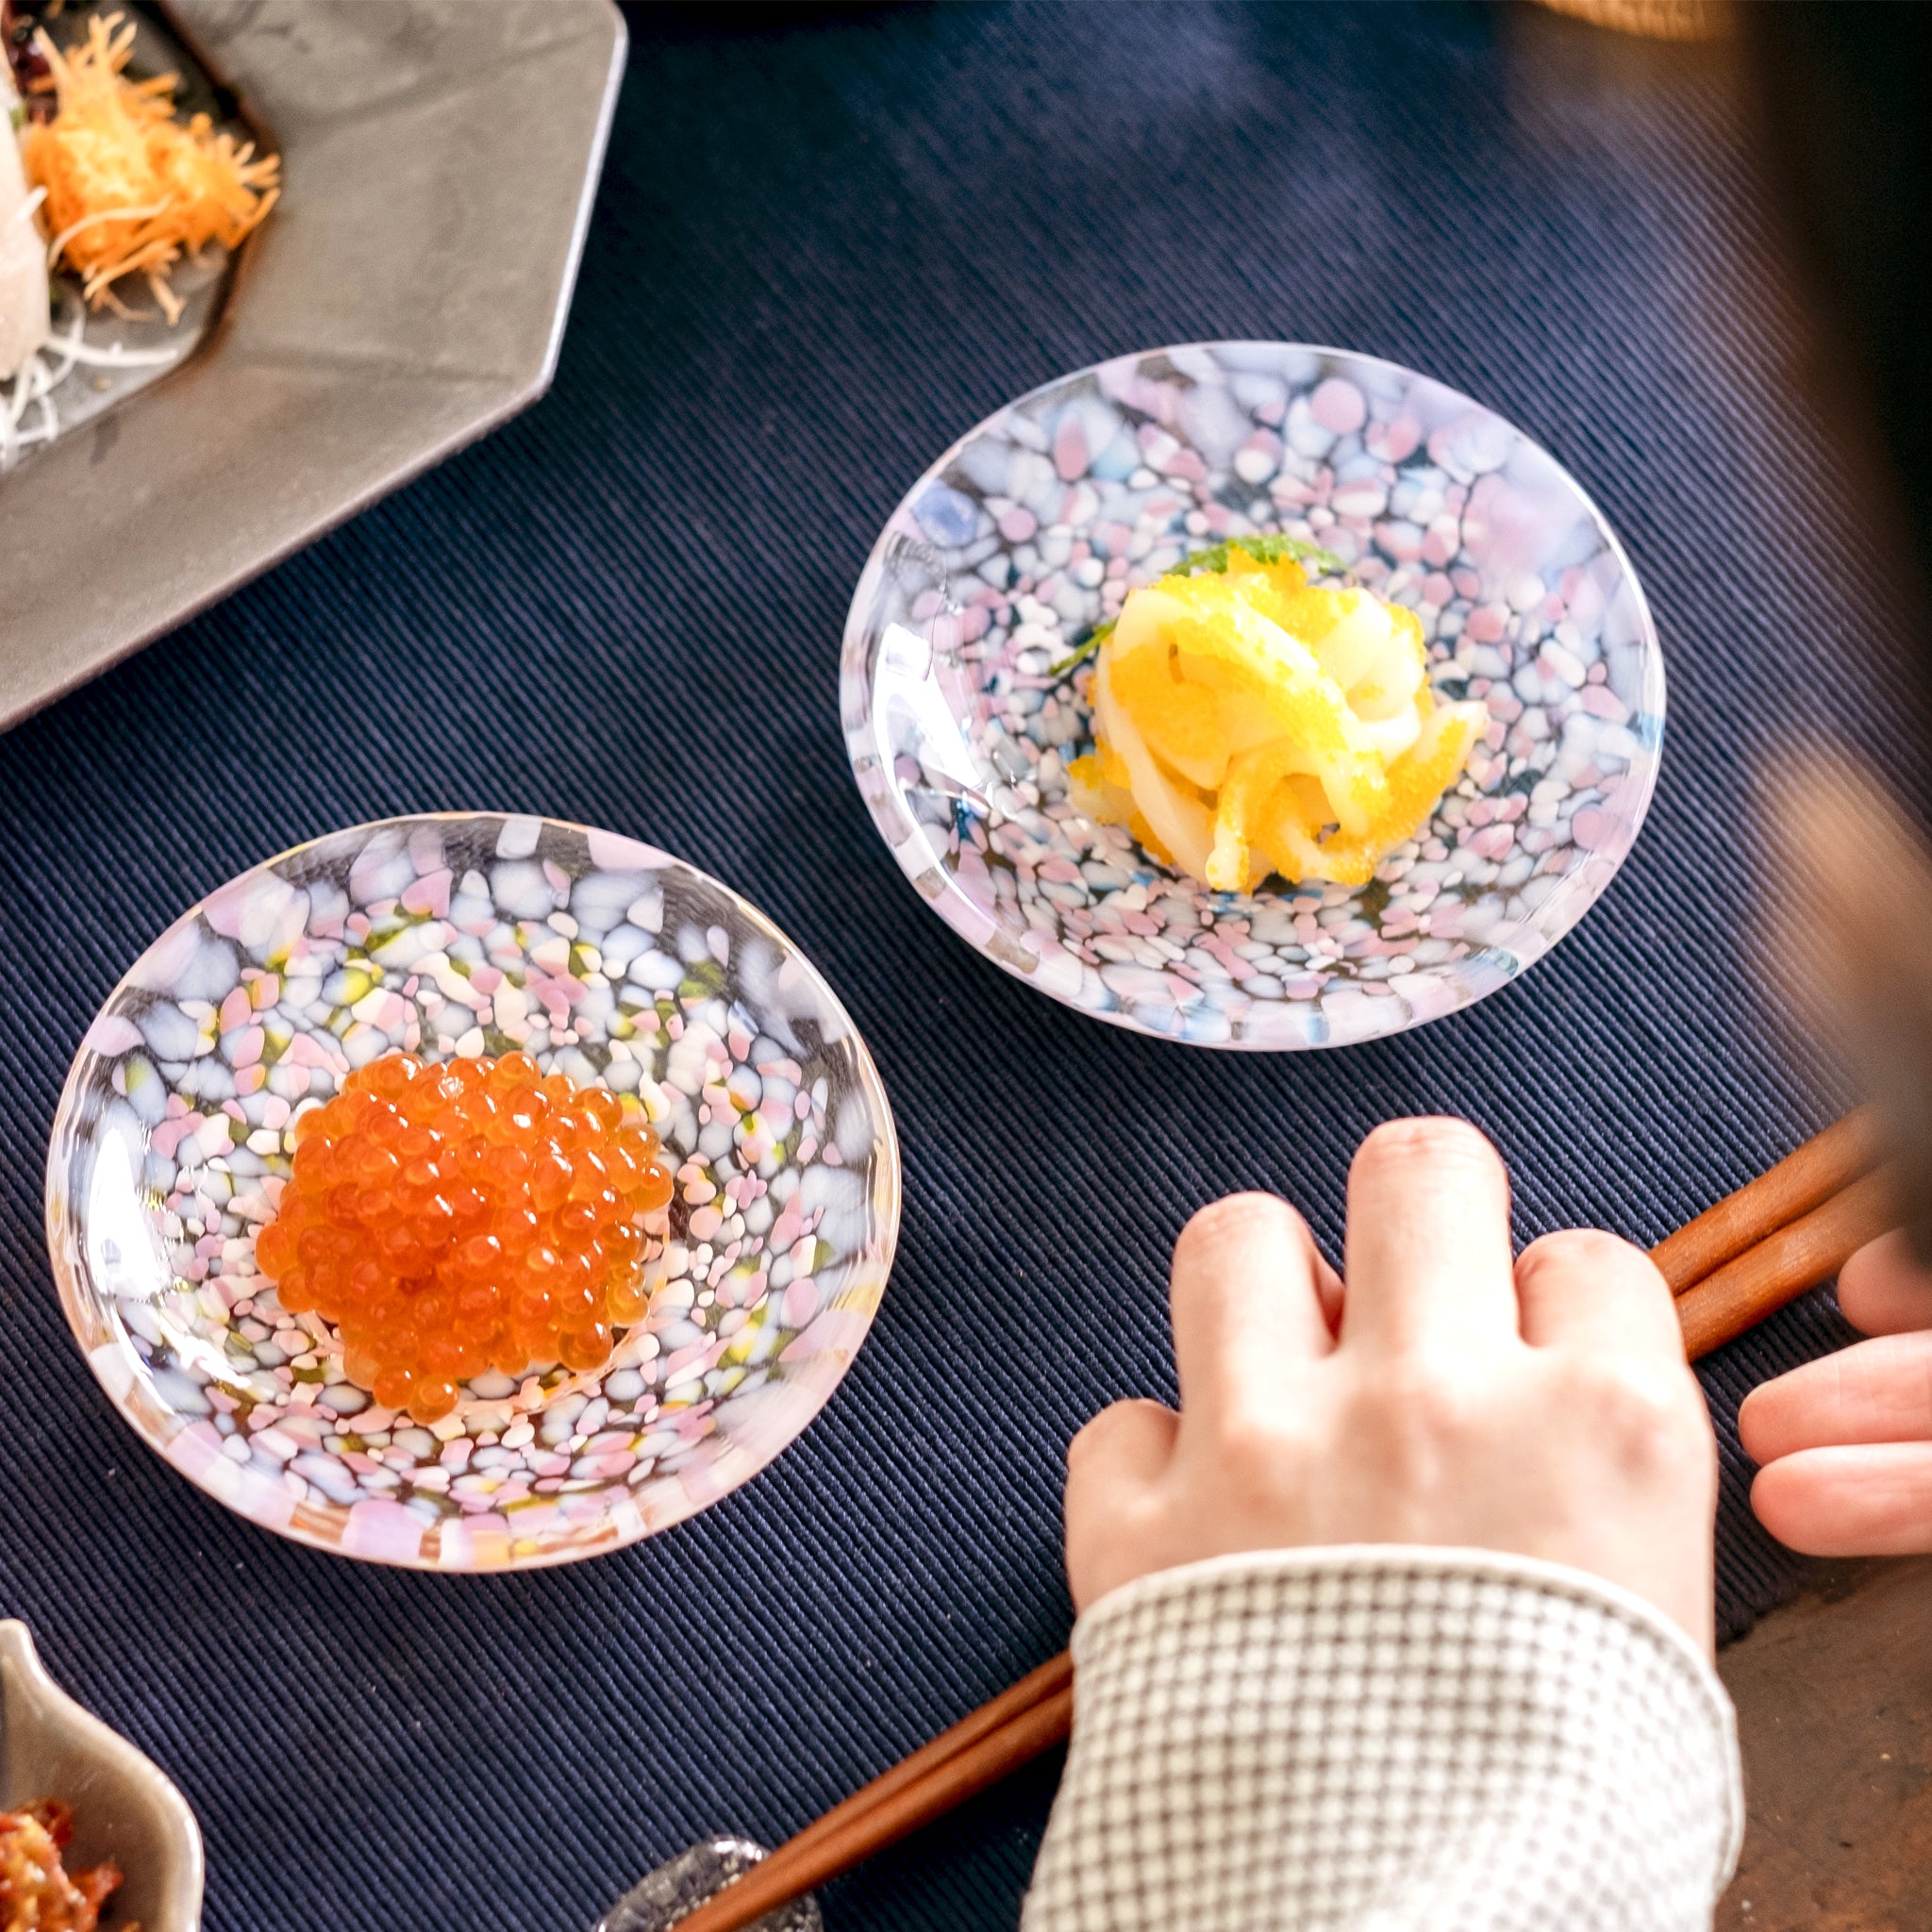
x: 1777, y: 1236
x: 1737, y: 1262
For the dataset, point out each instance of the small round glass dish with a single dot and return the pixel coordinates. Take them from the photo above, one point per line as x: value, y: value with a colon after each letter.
x: 961, y: 713
x: 458, y: 936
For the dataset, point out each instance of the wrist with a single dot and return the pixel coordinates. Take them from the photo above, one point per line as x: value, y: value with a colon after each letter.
x: 1349, y: 1735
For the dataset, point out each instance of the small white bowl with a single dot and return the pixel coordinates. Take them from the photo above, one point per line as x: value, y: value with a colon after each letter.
x: 125, y: 1808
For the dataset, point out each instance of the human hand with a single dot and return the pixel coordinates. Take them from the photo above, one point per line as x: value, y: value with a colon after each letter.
x: 1447, y: 1398
x: 1846, y: 1442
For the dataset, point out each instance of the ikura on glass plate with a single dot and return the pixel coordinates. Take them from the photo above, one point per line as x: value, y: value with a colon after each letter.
x: 472, y: 1191
x: 481, y: 1215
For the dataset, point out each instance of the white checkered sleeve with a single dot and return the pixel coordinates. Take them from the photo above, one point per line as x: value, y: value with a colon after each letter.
x: 1387, y: 1739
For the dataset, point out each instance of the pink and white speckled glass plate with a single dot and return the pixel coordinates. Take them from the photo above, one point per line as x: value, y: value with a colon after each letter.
x: 457, y: 935
x: 1033, y: 526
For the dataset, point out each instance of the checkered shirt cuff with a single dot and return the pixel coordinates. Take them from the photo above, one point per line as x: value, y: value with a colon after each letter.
x: 1389, y: 1740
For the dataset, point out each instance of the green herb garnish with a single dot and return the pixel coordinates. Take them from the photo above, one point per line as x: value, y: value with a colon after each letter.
x: 1082, y: 650
x: 1215, y: 560
x: 1263, y: 550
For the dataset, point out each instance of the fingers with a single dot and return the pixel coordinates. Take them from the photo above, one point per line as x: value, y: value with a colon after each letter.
x: 1329, y: 1293
x: 1847, y: 1448
x: 1871, y: 1499
x: 1247, y: 1308
x: 1877, y: 1392
x: 1428, y: 1240
x: 1883, y: 1289
x: 1126, y: 1446
x: 1113, y: 1466
x: 1587, y: 1290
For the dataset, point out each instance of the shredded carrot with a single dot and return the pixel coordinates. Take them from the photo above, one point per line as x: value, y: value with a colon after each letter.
x: 129, y: 188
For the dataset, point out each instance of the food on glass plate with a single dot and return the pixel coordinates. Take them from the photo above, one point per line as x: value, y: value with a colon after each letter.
x: 102, y: 183
x: 129, y: 187
x: 36, y: 1892
x: 464, y: 1217
x: 1250, y: 722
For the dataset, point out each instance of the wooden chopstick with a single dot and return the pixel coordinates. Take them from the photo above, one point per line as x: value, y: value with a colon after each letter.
x: 1823, y: 1166
x: 1053, y: 1679
x: 959, y: 1764
x: 1792, y: 1228
x: 1779, y: 1269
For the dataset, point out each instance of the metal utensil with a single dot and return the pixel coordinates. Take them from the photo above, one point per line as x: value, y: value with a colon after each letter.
x: 678, y: 1886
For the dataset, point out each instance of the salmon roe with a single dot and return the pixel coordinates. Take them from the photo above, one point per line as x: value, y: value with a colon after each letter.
x: 469, y: 1216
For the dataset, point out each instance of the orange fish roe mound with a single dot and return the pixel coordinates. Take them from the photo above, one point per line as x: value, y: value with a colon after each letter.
x: 455, y: 1218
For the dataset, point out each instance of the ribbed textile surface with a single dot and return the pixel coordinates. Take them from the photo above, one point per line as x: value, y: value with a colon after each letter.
x: 825, y: 245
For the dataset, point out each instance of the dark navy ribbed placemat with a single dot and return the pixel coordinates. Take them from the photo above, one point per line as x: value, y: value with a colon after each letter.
x: 825, y: 245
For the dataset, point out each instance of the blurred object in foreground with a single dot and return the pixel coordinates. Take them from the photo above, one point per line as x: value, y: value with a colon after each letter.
x: 1856, y: 922
x: 1844, y: 138
x: 1655, y: 20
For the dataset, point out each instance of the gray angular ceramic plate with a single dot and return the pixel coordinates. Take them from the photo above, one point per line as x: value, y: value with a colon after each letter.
x: 407, y: 295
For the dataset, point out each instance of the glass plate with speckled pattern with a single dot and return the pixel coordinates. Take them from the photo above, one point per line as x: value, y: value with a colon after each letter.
x: 457, y: 935
x: 960, y: 719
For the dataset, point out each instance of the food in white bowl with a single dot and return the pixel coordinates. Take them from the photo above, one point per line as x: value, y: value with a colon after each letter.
x: 88, y: 1824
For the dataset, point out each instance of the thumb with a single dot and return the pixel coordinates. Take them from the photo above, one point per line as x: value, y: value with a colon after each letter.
x: 1113, y: 1466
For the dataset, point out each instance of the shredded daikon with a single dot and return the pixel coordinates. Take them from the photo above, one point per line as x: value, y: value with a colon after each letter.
x: 129, y: 190
x: 26, y: 387
x: 115, y: 357
x: 35, y: 382
x: 69, y: 346
x: 25, y: 213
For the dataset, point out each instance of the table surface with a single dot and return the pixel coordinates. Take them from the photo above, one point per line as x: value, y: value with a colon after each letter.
x: 825, y: 245
x: 1833, y: 1696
